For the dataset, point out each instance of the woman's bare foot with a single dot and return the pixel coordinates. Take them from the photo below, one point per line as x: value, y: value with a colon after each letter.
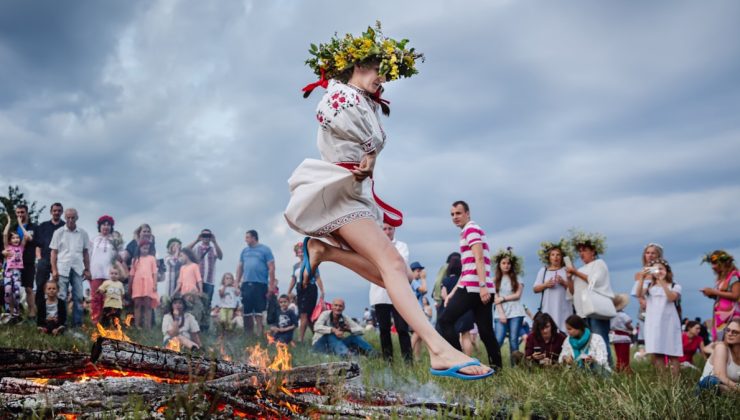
x: 454, y: 357
x: 316, y: 250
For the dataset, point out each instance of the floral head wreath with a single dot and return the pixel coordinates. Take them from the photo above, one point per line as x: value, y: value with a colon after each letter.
x: 517, y: 262
x: 719, y: 256
x: 593, y: 240
x: 105, y: 218
x: 662, y: 262
x: 545, y: 247
x: 339, y: 54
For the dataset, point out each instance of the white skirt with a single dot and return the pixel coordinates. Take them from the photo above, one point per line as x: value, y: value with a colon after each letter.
x: 325, y: 197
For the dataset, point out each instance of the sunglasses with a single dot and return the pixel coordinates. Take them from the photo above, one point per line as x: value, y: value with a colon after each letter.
x: 732, y: 332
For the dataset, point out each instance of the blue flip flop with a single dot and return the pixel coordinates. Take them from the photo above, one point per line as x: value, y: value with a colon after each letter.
x: 454, y: 371
x: 307, y: 264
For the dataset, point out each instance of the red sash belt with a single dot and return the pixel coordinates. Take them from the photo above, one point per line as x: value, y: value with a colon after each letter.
x: 391, y: 215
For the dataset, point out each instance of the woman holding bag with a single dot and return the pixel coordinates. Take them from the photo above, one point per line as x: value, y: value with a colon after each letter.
x: 594, y: 274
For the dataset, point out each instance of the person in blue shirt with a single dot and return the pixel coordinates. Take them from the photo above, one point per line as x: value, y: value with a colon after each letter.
x: 287, y: 322
x: 419, y: 286
x: 256, y: 272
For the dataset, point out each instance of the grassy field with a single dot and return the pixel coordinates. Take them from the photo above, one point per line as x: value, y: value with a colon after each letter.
x: 513, y: 393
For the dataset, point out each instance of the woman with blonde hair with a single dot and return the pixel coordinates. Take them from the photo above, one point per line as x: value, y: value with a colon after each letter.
x: 726, y: 291
x: 334, y: 198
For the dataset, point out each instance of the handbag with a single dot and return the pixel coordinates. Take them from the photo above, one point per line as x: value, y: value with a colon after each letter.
x: 597, y: 305
x: 320, y: 307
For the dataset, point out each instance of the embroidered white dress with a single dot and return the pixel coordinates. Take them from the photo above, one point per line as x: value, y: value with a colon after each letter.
x: 662, y: 325
x: 323, y: 195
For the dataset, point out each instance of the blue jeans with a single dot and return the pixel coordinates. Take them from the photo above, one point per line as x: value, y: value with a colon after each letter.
x: 64, y: 283
x: 512, y: 326
x: 601, y: 327
x: 709, y: 383
x: 330, y: 343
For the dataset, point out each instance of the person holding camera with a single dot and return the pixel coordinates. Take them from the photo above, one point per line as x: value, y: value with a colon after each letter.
x: 207, y: 251
x: 662, y: 322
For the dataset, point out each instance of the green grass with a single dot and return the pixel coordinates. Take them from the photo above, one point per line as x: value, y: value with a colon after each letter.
x: 513, y: 393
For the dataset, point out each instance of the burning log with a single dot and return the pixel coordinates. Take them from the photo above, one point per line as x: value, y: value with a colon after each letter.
x: 300, y: 377
x: 24, y: 363
x: 18, y: 386
x: 162, y: 363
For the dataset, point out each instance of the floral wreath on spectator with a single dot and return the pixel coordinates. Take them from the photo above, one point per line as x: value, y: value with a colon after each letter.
x: 719, y: 256
x: 517, y: 262
x: 545, y: 247
x: 340, y: 54
x: 593, y: 240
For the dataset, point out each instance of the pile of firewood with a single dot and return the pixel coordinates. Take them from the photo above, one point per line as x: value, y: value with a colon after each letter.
x: 118, y: 377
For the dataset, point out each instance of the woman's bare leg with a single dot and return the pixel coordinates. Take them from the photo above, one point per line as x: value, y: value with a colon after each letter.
x: 304, y: 324
x: 376, y: 259
x: 466, y: 343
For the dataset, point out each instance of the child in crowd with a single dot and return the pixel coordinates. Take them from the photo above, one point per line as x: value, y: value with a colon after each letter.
x: 287, y: 322
x: 662, y: 323
x: 237, y: 321
x: 143, y: 285
x: 13, y: 254
x: 229, y: 302
x: 189, y: 280
x: 112, y: 289
x: 52, y: 313
x: 293, y: 306
x: 621, y: 327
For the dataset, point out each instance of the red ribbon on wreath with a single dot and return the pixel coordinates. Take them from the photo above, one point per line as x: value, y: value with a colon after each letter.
x: 322, y: 82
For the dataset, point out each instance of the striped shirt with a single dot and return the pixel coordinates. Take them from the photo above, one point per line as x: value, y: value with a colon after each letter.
x: 473, y: 234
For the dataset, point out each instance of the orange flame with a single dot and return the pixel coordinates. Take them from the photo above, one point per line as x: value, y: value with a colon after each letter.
x: 129, y: 320
x: 115, y: 332
x: 173, y: 345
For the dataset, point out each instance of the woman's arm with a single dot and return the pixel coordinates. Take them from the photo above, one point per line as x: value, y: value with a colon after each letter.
x: 732, y: 294
x: 719, y: 363
x: 196, y: 338
x: 292, y: 283
x: 669, y: 293
x: 640, y: 288
x: 320, y: 285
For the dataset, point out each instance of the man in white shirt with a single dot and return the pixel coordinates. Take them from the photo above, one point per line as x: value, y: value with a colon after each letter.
x: 70, y: 262
x: 384, y: 308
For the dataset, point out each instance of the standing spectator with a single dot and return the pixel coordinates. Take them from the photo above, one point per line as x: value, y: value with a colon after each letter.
x: 691, y: 342
x: 621, y: 327
x: 113, y: 290
x: 508, y: 299
x: 465, y: 324
x: 545, y: 343
x: 171, y: 270
x: 43, y: 236
x: 25, y: 227
x: 52, y: 312
x: 594, y: 271
x: 651, y: 252
x: 336, y: 333
x: 15, y: 245
x: 384, y: 308
x: 552, y: 282
x: 419, y: 286
x: 722, y: 370
x: 726, y: 291
x: 143, y: 284
x: 287, y: 322
x: 256, y: 267
x: 190, y: 280
x: 584, y: 348
x: 228, y: 300
x: 428, y: 311
x: 70, y: 262
x: 441, y: 274
x: 662, y: 322
x: 307, y: 292
x: 141, y: 233
x: 207, y: 251
x: 475, y: 287
x: 102, y: 257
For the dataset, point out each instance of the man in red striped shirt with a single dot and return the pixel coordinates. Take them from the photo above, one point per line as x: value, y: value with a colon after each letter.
x: 474, y: 291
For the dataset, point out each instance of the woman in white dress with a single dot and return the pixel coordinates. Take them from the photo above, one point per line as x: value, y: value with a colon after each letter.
x: 652, y: 251
x: 333, y: 198
x: 662, y: 323
x: 554, y: 284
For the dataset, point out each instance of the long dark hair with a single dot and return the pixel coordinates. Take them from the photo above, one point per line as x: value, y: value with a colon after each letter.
x: 576, y: 322
x: 500, y: 275
x: 540, y: 321
x: 454, y: 267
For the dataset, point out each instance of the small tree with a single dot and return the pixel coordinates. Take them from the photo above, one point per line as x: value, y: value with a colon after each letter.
x: 15, y: 198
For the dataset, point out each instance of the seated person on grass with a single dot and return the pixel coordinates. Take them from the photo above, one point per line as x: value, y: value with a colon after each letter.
x: 52, y: 313
x: 180, y: 326
x: 336, y: 333
x: 287, y: 322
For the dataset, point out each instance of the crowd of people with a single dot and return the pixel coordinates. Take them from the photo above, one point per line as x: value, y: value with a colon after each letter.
x: 578, y: 320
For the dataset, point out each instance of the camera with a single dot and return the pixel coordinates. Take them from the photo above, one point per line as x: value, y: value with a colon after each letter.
x: 654, y: 270
x: 206, y: 235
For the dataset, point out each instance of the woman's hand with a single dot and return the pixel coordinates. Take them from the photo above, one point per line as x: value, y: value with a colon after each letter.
x: 708, y: 292
x: 568, y: 360
x: 367, y: 165
x: 485, y: 296
x: 502, y: 319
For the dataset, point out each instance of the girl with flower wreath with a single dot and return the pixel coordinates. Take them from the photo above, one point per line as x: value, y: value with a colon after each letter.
x: 651, y: 252
x: 594, y: 271
x: 508, y: 305
x: 334, y: 198
x: 553, y: 282
x: 726, y: 291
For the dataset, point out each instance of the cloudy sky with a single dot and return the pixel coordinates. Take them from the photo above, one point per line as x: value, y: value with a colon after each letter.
x: 616, y: 117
